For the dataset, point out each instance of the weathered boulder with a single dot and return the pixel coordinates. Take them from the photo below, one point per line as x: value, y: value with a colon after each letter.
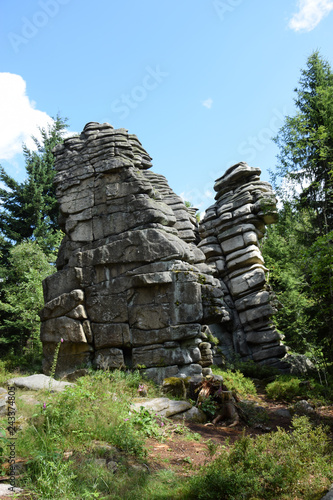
x: 299, y: 364
x: 194, y: 415
x: 163, y: 407
x: 37, y: 382
x: 7, y: 490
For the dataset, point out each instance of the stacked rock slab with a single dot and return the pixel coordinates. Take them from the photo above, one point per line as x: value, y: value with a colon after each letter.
x: 230, y: 234
x: 131, y: 288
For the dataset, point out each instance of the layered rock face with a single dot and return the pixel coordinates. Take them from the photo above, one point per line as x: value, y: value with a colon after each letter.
x: 129, y: 290
x: 137, y: 281
x: 230, y: 234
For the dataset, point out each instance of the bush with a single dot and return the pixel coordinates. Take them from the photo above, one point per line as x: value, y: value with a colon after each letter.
x: 285, y: 388
x: 288, y: 387
x: 273, y: 466
x: 21, y: 298
x: 236, y: 382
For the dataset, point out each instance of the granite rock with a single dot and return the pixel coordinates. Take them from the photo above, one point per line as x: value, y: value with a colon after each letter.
x: 137, y: 276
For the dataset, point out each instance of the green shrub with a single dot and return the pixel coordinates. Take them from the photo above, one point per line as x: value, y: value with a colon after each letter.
x: 209, y: 406
x: 149, y: 423
x: 289, y: 387
x: 285, y: 388
x: 236, y: 382
x: 273, y: 466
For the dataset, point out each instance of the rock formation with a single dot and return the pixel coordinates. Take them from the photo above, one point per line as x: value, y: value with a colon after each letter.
x: 137, y: 280
x: 230, y: 234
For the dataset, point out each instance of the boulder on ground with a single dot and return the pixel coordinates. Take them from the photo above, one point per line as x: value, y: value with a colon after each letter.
x: 38, y: 382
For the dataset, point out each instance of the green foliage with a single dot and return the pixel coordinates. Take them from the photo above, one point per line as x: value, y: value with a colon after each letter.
x: 29, y: 210
x: 92, y: 421
x: 236, y: 382
x: 284, y: 250
x: 208, y: 406
x: 250, y: 369
x: 29, y: 238
x: 94, y: 408
x: 55, y: 359
x: 274, y: 466
x: 21, y: 297
x: 212, y: 339
x: 151, y: 424
x: 54, y: 477
x: 301, y: 277
x: 4, y: 443
x: 285, y: 388
x: 305, y: 143
x: 298, y: 250
x: 289, y: 388
x: 212, y: 447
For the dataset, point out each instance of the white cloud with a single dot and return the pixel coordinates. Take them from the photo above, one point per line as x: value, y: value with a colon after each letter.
x: 19, y: 117
x: 207, y: 103
x: 310, y: 13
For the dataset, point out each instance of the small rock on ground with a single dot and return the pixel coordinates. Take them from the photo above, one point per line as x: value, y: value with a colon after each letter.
x: 164, y: 407
x: 282, y: 412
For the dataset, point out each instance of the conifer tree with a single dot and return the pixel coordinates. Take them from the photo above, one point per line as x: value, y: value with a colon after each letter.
x: 300, y: 248
x: 306, y: 145
x: 29, y: 210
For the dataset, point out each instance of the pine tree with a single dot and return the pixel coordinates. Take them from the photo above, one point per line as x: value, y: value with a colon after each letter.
x: 306, y: 169
x: 29, y: 210
x: 306, y: 145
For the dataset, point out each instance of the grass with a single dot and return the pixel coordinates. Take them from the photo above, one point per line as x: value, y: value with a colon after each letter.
x: 67, y: 434
x: 95, y: 410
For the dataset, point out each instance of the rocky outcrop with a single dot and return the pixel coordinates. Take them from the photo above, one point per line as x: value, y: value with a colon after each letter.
x: 230, y: 235
x: 129, y: 290
x: 137, y: 280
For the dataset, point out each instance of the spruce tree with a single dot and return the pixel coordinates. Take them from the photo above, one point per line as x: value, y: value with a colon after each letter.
x: 305, y: 166
x: 29, y: 210
x: 306, y: 145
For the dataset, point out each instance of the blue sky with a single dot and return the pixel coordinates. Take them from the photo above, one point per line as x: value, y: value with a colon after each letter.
x: 202, y: 83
